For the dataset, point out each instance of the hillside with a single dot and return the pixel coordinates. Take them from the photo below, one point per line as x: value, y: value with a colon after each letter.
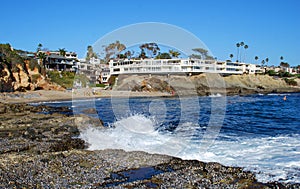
x: 19, y: 74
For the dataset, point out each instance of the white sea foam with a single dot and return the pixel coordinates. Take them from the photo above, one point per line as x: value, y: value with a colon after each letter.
x: 271, y: 158
x: 215, y: 95
x: 278, y: 94
x: 133, y: 133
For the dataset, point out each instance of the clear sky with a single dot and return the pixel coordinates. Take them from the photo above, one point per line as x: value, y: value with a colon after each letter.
x: 270, y: 28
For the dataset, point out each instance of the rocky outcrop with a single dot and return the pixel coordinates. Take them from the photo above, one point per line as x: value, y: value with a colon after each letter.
x: 40, y: 148
x: 18, y: 74
x: 204, y: 84
x: 6, y: 80
x: 22, y: 79
x: 39, y: 129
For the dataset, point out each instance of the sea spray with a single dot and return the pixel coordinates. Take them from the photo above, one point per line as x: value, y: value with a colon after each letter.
x: 259, y: 132
x: 280, y: 163
x: 133, y: 133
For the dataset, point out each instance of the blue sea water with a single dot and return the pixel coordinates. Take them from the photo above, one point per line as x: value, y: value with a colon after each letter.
x: 258, y: 132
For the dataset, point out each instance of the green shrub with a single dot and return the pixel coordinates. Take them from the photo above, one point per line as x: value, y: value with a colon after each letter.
x: 291, y: 82
x: 64, y: 79
x: 100, y: 85
x: 284, y: 74
x: 271, y: 73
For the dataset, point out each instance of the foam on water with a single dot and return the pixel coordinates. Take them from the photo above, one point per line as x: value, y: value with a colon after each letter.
x: 133, y: 133
x: 215, y: 95
x: 279, y: 94
x: 271, y: 158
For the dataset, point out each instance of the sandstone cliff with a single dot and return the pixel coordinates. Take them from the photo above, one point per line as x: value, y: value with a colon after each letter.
x: 18, y: 74
x: 205, y: 84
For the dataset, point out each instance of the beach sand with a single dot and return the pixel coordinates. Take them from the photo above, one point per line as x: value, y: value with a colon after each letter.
x: 51, y: 95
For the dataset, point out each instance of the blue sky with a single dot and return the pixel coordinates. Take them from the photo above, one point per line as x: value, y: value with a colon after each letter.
x: 270, y: 28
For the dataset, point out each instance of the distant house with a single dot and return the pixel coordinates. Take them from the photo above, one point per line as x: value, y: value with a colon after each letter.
x: 252, y: 68
x: 55, y: 61
x: 96, y: 72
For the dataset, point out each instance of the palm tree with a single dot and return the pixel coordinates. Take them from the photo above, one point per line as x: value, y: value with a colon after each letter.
x: 42, y: 57
x: 39, y: 47
x: 281, y: 59
x: 241, y: 44
x: 174, y: 53
x: 231, y: 56
x: 256, y: 58
x: 262, y: 62
x: 238, y: 48
x: 245, y: 47
x: 267, y: 60
x: 62, y: 52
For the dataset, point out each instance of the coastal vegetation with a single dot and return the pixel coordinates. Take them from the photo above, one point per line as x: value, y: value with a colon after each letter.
x: 66, y: 79
x: 90, y: 53
x: 291, y: 82
x: 10, y: 58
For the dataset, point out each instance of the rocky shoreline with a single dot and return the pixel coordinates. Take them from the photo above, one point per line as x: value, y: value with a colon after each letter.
x: 40, y: 148
x: 205, y: 84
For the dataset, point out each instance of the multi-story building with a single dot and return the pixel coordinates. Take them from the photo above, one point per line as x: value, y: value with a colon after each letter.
x: 55, y: 61
x: 96, y: 72
x: 173, y: 66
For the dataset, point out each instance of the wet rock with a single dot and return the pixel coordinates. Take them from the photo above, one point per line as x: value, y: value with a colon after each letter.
x: 32, y: 134
x: 67, y: 144
x: 43, y: 151
x: 90, y: 111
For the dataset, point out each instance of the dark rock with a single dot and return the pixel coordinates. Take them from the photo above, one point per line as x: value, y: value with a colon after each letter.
x: 42, y: 151
x: 90, y: 111
x: 67, y: 144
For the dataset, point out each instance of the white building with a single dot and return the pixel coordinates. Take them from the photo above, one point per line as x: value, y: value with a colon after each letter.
x: 96, y: 72
x: 252, y: 68
x: 189, y: 66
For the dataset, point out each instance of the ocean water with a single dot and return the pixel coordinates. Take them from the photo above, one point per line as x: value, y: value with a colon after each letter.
x: 258, y: 132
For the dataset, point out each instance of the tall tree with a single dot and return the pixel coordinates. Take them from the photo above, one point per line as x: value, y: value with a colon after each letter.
x: 151, y: 48
x: 195, y: 56
x: 262, y: 62
x: 113, y: 49
x: 203, y: 54
x: 163, y: 56
x: 128, y: 54
x: 174, y: 53
x: 39, y: 48
x: 245, y: 47
x: 267, y: 60
x: 231, y: 56
x: 143, y: 54
x: 90, y: 53
x: 241, y: 45
x: 256, y: 58
x: 281, y: 59
x: 62, y: 52
x: 238, y: 51
x: 42, y: 57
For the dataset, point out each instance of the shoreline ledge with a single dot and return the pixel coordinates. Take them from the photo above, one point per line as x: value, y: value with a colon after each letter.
x: 48, y: 96
x: 163, y: 86
x: 43, y: 150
